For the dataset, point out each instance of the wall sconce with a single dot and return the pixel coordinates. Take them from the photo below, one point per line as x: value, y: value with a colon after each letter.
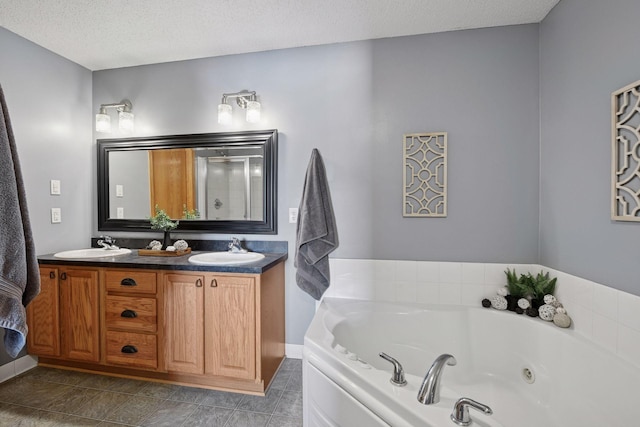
x: 246, y: 100
x: 125, y: 117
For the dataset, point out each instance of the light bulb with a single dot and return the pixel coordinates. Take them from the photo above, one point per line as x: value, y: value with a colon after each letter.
x: 224, y: 114
x: 253, y: 111
x: 103, y: 123
x: 125, y: 122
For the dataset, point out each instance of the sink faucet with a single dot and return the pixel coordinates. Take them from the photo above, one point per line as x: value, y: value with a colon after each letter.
x: 429, y: 392
x: 108, y: 243
x: 235, y: 246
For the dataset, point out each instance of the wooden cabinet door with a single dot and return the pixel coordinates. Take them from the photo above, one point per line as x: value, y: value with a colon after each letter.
x: 43, y: 318
x: 230, y: 326
x: 79, y: 304
x: 184, y: 323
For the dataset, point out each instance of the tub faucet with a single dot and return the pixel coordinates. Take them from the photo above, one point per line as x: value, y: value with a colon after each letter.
x: 108, y: 243
x: 429, y: 392
x: 397, y: 379
x: 460, y: 414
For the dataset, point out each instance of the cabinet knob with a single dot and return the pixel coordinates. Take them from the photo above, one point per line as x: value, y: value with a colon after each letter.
x: 214, y: 283
x: 199, y: 283
x: 130, y: 314
x: 129, y: 349
x: 63, y: 276
x: 52, y: 275
x: 128, y: 282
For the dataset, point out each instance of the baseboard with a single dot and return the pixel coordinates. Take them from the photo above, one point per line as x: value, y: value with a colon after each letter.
x: 16, y: 367
x: 293, y: 351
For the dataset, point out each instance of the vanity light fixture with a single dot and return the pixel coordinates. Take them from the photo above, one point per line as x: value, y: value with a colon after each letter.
x: 246, y: 100
x: 125, y: 117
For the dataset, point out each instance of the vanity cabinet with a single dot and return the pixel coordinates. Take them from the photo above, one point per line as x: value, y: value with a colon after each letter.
x: 216, y: 330
x: 210, y: 324
x: 131, y: 318
x: 64, y: 318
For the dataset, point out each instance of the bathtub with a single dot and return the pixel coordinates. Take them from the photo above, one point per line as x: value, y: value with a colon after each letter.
x: 530, y: 372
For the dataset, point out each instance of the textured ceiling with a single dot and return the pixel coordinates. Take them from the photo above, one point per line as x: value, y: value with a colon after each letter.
x: 120, y: 33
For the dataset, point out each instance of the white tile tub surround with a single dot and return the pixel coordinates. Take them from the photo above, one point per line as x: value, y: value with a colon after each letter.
x: 606, y: 316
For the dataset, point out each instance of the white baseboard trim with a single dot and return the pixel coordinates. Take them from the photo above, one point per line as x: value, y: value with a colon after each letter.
x: 16, y: 367
x: 293, y: 351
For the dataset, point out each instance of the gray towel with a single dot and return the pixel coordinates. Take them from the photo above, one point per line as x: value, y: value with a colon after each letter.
x: 19, y: 275
x: 316, y: 234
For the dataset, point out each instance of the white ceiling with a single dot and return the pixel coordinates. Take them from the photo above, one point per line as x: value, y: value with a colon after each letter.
x: 120, y: 33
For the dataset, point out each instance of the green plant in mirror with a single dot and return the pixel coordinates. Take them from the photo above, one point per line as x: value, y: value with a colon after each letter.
x: 190, y: 214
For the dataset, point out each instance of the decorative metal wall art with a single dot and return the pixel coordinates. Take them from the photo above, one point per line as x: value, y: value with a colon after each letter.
x: 425, y: 175
x: 625, y: 170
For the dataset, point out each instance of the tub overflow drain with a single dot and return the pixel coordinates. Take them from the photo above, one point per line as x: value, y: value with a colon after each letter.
x: 528, y: 376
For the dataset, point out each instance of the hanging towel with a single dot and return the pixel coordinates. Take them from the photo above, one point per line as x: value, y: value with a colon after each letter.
x: 316, y: 234
x: 19, y: 275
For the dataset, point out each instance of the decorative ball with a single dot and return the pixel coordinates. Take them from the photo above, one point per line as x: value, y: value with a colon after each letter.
x: 499, y: 302
x: 170, y: 249
x: 562, y: 320
x: 532, y: 312
x: 524, y: 303
x: 503, y: 292
x: 546, y: 312
x: 519, y: 310
x: 180, y: 245
x: 561, y: 310
x: 154, y: 245
x: 486, y: 303
x: 548, y: 299
x: 556, y: 303
x: 512, y: 302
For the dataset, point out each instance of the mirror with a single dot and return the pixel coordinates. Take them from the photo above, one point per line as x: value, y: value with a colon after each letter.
x: 215, y: 182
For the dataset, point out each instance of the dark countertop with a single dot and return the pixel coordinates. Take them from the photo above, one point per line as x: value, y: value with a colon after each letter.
x: 132, y: 260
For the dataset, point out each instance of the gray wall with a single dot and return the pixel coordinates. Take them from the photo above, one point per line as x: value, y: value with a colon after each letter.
x: 588, y: 50
x: 354, y: 102
x: 49, y: 101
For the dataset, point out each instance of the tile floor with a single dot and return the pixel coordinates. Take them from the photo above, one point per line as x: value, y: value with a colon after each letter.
x: 52, y: 397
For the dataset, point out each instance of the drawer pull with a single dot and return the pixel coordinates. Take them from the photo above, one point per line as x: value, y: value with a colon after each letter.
x: 130, y: 314
x: 129, y: 349
x: 63, y: 276
x: 214, y: 283
x: 198, y: 283
x: 128, y: 282
x: 52, y: 275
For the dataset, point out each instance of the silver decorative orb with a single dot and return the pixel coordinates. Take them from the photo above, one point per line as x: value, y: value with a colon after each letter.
x: 546, y: 312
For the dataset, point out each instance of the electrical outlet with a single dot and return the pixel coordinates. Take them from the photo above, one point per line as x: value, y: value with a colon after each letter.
x: 120, y: 213
x: 119, y: 190
x: 56, y: 215
x: 293, y: 215
x: 55, y: 187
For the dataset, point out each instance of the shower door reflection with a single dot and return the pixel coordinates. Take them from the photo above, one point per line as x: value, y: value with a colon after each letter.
x: 230, y: 188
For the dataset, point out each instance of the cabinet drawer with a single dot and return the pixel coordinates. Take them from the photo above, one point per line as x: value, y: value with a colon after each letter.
x: 130, y: 349
x: 131, y: 281
x: 131, y: 313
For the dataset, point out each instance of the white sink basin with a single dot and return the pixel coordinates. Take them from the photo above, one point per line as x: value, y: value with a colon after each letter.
x: 225, y: 258
x: 92, y: 253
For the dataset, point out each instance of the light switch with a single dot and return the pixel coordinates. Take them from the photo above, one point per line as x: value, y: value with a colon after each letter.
x: 120, y: 213
x: 119, y: 190
x: 56, y: 215
x: 55, y: 187
x: 293, y: 215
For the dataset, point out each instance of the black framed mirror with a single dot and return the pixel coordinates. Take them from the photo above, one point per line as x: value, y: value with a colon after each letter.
x: 215, y: 182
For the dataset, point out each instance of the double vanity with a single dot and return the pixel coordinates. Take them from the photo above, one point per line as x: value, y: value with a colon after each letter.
x: 215, y: 323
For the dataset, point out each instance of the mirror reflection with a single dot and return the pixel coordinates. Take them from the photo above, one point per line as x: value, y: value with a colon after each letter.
x: 222, y: 181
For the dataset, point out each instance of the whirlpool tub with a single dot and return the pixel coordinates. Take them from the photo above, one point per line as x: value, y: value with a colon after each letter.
x: 530, y: 372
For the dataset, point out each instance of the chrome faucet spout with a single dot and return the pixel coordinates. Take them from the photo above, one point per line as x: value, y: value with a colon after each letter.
x: 429, y: 392
x: 107, y: 243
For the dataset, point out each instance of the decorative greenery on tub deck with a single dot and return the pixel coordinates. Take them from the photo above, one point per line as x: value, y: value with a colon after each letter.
x: 528, y: 286
x: 161, y: 221
x: 532, y: 296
